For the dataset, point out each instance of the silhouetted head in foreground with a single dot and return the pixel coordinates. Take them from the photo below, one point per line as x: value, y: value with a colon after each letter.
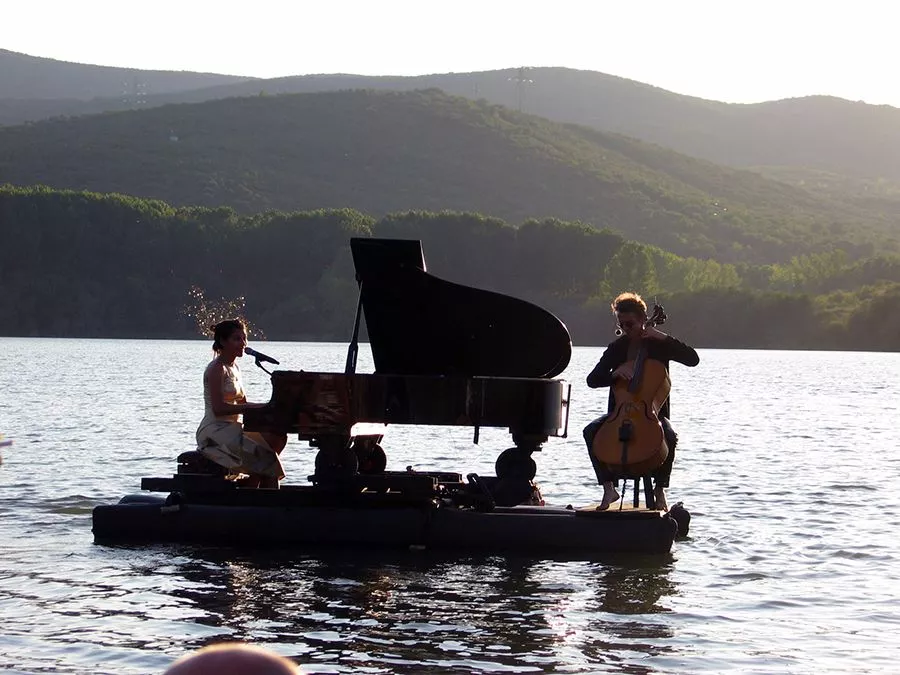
x: 233, y: 659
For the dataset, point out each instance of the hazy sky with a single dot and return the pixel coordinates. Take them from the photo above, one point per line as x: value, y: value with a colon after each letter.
x: 730, y: 50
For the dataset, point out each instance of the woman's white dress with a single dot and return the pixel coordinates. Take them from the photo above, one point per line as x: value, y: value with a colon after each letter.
x: 223, y: 440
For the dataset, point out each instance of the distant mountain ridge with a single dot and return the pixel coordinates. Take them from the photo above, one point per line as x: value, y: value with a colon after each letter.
x: 387, y: 152
x: 818, y: 133
x: 31, y: 78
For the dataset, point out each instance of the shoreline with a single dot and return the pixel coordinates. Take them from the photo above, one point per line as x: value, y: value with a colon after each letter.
x: 696, y: 345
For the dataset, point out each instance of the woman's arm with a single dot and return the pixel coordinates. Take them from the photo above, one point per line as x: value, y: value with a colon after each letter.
x: 675, y: 349
x: 215, y: 380
x: 602, y: 374
x: 682, y: 353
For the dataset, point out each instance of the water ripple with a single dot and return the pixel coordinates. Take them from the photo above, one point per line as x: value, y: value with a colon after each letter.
x: 791, y: 565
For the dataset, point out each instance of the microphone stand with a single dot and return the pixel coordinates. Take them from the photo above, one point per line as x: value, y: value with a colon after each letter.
x: 261, y: 366
x: 353, y: 349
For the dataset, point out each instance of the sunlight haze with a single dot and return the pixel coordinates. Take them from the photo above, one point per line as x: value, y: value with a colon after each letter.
x: 734, y: 51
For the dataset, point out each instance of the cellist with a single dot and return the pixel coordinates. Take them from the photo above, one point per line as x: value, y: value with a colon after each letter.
x: 617, y: 362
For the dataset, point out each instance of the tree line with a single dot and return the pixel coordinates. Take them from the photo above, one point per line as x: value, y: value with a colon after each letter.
x: 82, y: 264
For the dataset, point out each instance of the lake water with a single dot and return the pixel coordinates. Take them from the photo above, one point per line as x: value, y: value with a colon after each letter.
x: 787, y: 461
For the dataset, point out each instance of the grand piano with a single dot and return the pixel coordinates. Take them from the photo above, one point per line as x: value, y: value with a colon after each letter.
x: 444, y: 354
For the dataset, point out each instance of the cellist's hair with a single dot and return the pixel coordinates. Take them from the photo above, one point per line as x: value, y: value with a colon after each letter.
x: 629, y: 302
x: 223, y: 330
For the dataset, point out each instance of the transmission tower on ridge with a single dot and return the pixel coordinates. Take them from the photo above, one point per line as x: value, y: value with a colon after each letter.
x: 521, y: 79
x: 134, y: 94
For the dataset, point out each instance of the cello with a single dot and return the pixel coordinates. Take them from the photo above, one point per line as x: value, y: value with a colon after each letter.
x: 631, y: 441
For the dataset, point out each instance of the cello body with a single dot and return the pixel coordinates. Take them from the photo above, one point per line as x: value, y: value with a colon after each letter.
x: 631, y: 442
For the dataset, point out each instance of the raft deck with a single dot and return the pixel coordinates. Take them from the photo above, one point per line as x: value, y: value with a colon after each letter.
x: 372, y: 512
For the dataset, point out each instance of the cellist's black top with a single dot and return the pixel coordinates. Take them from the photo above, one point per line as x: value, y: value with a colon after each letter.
x: 616, y: 354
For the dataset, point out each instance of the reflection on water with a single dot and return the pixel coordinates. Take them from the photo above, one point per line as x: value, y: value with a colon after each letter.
x: 792, y: 565
x: 416, y: 612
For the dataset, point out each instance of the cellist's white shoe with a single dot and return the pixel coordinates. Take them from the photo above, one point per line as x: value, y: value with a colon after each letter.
x: 610, y: 496
x: 659, y: 496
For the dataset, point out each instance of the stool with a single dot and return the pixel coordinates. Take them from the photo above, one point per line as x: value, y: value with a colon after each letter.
x: 647, y: 481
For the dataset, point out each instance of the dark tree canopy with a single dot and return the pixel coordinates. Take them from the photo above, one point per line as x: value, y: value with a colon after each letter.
x: 89, y: 265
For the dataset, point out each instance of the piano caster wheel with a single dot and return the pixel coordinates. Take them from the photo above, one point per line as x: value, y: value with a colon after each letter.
x: 372, y: 460
x: 336, y: 463
x: 516, y: 464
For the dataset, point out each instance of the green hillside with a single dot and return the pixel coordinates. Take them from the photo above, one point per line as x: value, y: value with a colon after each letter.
x: 385, y: 152
x: 92, y: 265
x: 818, y: 132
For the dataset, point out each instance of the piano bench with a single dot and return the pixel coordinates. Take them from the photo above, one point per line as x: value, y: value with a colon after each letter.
x: 193, y: 462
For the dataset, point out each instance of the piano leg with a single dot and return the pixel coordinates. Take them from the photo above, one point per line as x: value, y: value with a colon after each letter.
x: 335, y: 460
x: 516, y: 464
x: 516, y: 470
x: 370, y: 455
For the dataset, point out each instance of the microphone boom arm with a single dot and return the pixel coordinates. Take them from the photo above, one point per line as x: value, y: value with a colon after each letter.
x: 259, y: 358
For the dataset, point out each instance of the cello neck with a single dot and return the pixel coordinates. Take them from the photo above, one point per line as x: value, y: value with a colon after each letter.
x: 656, y: 318
x: 638, y: 367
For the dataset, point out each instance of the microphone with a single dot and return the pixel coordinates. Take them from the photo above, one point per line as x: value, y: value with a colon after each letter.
x: 259, y: 356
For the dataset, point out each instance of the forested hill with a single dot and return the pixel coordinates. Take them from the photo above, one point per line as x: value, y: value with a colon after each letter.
x: 24, y: 77
x: 818, y: 132
x: 384, y: 152
x: 815, y: 132
x: 89, y: 265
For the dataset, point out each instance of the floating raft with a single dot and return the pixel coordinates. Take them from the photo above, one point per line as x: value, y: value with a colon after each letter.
x: 392, y: 510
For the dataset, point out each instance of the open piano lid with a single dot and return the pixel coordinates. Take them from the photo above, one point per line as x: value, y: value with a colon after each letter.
x: 419, y: 324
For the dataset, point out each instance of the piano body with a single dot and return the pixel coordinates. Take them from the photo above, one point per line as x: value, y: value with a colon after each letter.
x: 444, y: 354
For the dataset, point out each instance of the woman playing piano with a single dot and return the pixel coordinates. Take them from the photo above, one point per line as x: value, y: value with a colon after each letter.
x: 221, y: 437
x: 617, y: 362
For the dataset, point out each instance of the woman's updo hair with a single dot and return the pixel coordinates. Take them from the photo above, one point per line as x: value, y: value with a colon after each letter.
x: 630, y: 303
x: 224, y: 330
